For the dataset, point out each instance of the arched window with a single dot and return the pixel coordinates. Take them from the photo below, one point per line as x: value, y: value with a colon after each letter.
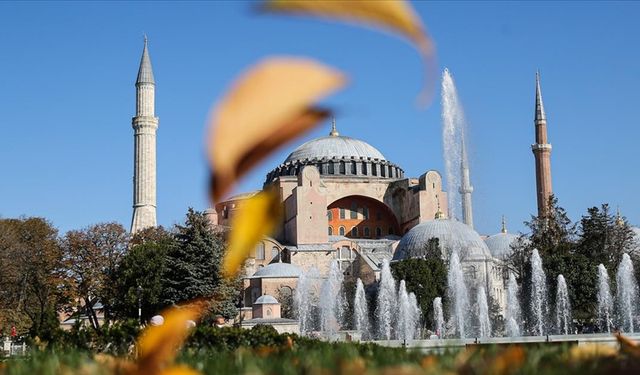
x: 367, y: 233
x: 364, y: 168
x: 378, y: 232
x: 354, y: 232
x: 260, y: 251
x: 353, y: 167
x: 342, y: 168
x: 365, y: 213
x: 374, y: 169
x: 341, y: 231
x: 330, y: 231
x: 343, y: 215
x: 329, y: 215
x: 331, y: 168
x: 354, y: 211
x: 383, y: 170
x: 275, y: 253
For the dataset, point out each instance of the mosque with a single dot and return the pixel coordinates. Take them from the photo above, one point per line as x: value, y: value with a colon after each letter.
x: 344, y: 201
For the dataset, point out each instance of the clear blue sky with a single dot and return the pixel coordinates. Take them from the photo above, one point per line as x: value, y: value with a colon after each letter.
x: 67, y: 96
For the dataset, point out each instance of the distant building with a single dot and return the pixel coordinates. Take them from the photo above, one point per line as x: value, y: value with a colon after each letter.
x: 345, y: 201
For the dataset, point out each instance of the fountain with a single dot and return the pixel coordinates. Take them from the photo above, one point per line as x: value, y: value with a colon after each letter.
x: 605, y: 302
x: 438, y: 317
x: 512, y: 314
x: 305, y: 300
x: 538, y: 294
x: 407, y: 317
x: 332, y: 302
x: 386, y: 302
x: 563, y: 307
x: 458, y: 295
x: 416, y: 314
x: 626, y: 295
x: 361, y: 312
x: 484, y: 326
x: 453, y: 131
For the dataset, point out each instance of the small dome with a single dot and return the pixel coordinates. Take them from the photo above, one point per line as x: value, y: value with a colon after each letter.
x: 265, y: 299
x: 500, y: 244
x: 334, y: 146
x: 452, y: 235
x: 274, y: 270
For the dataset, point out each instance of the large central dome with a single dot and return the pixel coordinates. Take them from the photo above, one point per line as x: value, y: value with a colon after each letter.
x: 336, y: 155
x: 337, y: 146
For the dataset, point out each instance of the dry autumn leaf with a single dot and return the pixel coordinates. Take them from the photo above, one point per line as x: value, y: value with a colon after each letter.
x: 394, y: 15
x: 256, y: 217
x: 268, y: 106
x: 158, y: 344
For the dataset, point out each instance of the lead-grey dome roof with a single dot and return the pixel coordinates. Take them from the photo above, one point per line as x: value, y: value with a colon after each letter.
x: 265, y: 299
x: 452, y: 235
x: 275, y: 270
x: 335, y: 146
x: 500, y: 244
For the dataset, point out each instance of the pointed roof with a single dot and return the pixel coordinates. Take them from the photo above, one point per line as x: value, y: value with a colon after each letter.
x: 504, y: 225
x: 145, y: 73
x: 540, y: 114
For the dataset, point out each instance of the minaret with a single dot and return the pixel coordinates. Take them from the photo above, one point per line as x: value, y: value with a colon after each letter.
x: 504, y: 225
x: 465, y: 187
x: 145, y: 125
x: 542, y: 152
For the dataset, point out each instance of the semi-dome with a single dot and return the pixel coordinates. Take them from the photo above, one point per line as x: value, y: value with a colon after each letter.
x: 337, y: 146
x: 500, y: 244
x: 265, y: 299
x: 452, y: 235
x: 275, y: 270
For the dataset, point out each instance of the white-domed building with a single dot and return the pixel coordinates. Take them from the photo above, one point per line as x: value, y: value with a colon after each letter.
x: 480, y: 267
x: 345, y: 201
x: 500, y: 244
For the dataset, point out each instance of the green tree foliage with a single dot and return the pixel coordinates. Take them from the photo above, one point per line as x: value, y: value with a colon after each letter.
x: 426, y: 278
x: 144, y: 266
x: 193, y: 268
x: 30, y: 277
x: 574, y: 252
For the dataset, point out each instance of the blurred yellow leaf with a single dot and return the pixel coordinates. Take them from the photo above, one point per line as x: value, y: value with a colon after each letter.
x: 395, y: 15
x: 180, y: 370
x: 157, y: 345
x: 628, y: 346
x: 255, y: 218
x: 508, y: 361
x: 269, y: 105
x: 580, y: 353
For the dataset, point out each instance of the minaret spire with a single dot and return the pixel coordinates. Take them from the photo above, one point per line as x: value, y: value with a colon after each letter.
x: 542, y: 153
x: 334, y: 130
x: 144, y: 125
x: 504, y: 225
x: 465, y: 186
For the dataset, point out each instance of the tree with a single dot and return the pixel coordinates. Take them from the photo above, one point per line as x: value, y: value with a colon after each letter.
x: 426, y: 278
x: 193, y: 268
x: 30, y: 276
x: 143, y: 266
x: 91, y: 258
x: 553, y: 235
